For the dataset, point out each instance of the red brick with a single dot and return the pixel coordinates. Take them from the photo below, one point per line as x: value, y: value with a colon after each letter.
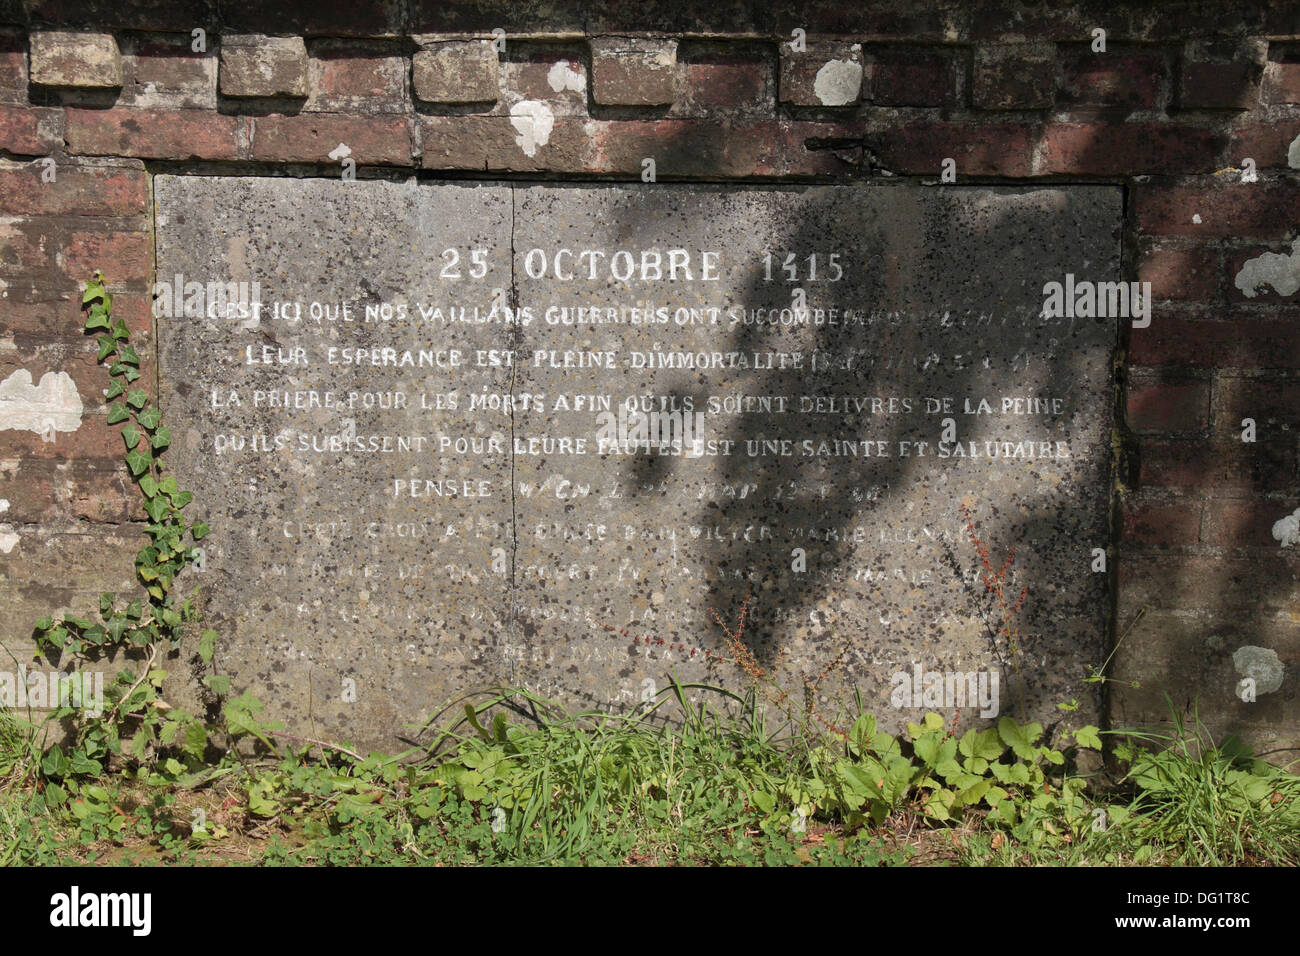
x: 1282, y: 82
x: 1162, y: 524
x: 47, y: 491
x: 1013, y: 77
x: 77, y: 191
x: 1266, y: 143
x: 1227, y: 210
x: 1239, y: 341
x: 1224, y: 466
x: 1274, y: 406
x: 27, y: 246
x: 28, y: 131
x: 1219, y: 86
x: 153, y: 134
x: 124, y: 257
x: 1195, y: 581
x: 13, y: 70
x: 58, y: 313
x: 1128, y: 149
x: 352, y: 76
x: 310, y: 137
x: 992, y: 149
x: 487, y: 143
x: 28, y: 487
x: 688, y: 148
x: 163, y: 72
x: 1183, y: 273
x: 1246, y: 524
x: 1160, y: 407
x: 912, y: 77
x: 726, y: 85
x: 1112, y: 79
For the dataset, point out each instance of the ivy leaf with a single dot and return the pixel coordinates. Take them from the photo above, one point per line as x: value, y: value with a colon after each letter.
x: 150, y: 417
x: 156, y: 508
x: 200, y: 530
x: 129, y: 355
x: 118, y: 368
x: 168, y: 486
x: 114, y: 389
x: 131, y: 374
x: 98, y: 318
x: 182, y: 498
x: 106, y: 348
x: 120, y: 330
x: 136, y: 398
x: 162, y: 438
x: 117, y: 413
x: 93, y: 291
x: 148, y: 485
x: 131, y: 435
x: 138, y: 461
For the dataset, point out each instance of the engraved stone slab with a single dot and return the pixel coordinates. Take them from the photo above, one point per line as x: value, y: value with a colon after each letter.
x: 666, y: 398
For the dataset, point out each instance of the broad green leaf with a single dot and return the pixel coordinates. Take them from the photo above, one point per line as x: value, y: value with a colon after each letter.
x: 162, y: 438
x: 150, y: 417
x: 139, y: 462
x: 207, y: 645
x: 114, y: 389
x: 148, y: 485
x: 131, y: 436
x: 200, y: 530
x: 137, y: 397
x: 1088, y: 737
x: 117, y: 413
x: 1020, y: 739
x: 106, y: 348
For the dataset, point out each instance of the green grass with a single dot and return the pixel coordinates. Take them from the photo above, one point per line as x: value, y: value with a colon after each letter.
x: 514, y: 779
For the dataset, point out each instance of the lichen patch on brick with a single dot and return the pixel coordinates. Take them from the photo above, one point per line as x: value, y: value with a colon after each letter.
x: 838, y: 83
x: 53, y: 404
x: 533, y: 121
x: 563, y: 76
x: 1280, y: 271
x: 1261, y: 664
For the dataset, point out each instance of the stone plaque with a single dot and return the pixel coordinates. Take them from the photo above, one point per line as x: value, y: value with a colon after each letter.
x: 451, y: 435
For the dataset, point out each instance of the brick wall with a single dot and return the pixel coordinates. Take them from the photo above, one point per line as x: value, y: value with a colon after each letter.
x: 95, y: 97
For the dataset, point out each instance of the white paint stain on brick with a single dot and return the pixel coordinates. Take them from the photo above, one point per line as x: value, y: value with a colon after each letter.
x: 838, y: 83
x: 1196, y: 218
x: 1280, y: 271
x: 1261, y: 664
x: 563, y: 76
x: 53, y: 405
x: 1293, y: 154
x: 533, y: 121
x: 8, y: 538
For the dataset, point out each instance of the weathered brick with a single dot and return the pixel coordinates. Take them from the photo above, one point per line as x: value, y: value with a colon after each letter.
x: 29, y: 131
x: 1166, y: 581
x: 311, y: 137
x: 725, y: 84
x: 824, y: 74
x: 1225, y: 210
x: 991, y: 149
x: 1239, y: 342
x: 54, y: 492
x: 127, y: 255
x: 1182, y: 273
x: 1128, y: 149
x: 1162, y: 524
x: 352, y: 76
x: 164, y: 72
x: 56, y: 313
x: 457, y: 71
x: 77, y: 60
x: 1273, y: 405
x: 1219, y: 86
x: 1019, y: 76
x: 253, y: 65
x: 1269, y: 144
x: 1246, y: 524
x: 1224, y: 466
x: 153, y: 134
x: 700, y: 148
x: 633, y: 72
x: 902, y: 76
x: 77, y: 191
x: 27, y: 491
x: 559, y: 81
x: 1161, y: 407
x: 1112, y: 79
x: 27, y: 246
x: 1281, y: 81
x: 13, y: 69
